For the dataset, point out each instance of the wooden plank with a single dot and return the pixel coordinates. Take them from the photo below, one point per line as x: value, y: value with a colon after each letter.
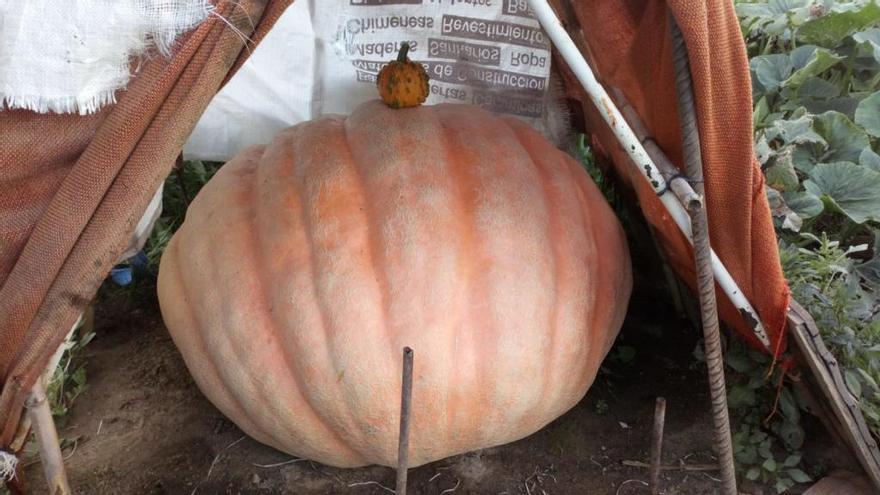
x: 841, y: 483
x: 826, y: 372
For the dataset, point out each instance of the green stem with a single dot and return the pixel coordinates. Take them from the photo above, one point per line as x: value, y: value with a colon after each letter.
x: 846, y: 79
x: 404, y: 49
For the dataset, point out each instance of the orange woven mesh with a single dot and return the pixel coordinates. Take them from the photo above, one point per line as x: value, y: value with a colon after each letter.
x: 73, y: 188
x: 629, y: 47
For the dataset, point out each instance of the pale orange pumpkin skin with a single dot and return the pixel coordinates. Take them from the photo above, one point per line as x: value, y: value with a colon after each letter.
x: 304, y: 266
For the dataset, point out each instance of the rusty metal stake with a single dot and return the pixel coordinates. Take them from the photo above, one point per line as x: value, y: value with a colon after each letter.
x: 403, y: 439
x: 657, y: 444
x: 702, y: 256
x: 47, y: 440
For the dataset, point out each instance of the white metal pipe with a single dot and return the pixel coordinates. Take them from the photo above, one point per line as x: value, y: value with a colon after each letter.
x: 627, y: 138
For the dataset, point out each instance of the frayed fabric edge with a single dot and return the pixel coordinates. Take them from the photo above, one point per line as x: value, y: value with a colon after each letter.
x: 82, y: 105
x: 86, y: 104
x: 163, y: 41
x: 8, y: 465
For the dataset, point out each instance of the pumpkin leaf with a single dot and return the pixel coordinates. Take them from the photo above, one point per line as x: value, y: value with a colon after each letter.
x: 802, y: 55
x: 819, y: 61
x: 804, y: 203
x: 804, y: 157
x: 868, y: 84
x: 831, y: 28
x: 845, y: 139
x: 869, y: 38
x: 868, y: 114
x: 870, y: 35
x: 770, y: 10
x: 763, y: 151
x: 815, y: 87
x: 847, y: 187
x: 845, y: 105
x: 797, y: 131
x: 781, y: 175
x: 870, y: 159
x: 771, y: 70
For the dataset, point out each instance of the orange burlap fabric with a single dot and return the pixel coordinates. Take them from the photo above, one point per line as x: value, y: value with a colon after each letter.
x: 629, y: 46
x: 73, y: 188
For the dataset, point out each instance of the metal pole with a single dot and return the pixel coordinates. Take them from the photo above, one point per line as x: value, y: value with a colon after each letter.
x: 637, y: 153
x: 702, y: 257
x: 403, y: 439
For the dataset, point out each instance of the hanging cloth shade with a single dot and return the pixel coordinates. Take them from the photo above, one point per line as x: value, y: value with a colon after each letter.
x: 75, y: 186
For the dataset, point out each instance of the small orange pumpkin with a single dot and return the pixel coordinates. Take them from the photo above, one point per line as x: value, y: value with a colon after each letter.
x: 403, y: 83
x: 305, y: 265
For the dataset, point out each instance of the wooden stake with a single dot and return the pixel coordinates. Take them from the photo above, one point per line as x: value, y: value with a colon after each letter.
x: 403, y: 439
x: 679, y: 467
x: 47, y: 440
x: 657, y: 444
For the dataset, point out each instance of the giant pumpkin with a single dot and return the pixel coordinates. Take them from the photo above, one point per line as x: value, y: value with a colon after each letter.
x: 306, y: 265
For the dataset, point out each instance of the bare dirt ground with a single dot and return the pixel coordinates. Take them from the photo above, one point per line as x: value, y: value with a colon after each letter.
x: 142, y: 427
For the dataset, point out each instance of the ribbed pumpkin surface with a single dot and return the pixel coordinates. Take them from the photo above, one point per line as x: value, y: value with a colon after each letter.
x: 303, y: 267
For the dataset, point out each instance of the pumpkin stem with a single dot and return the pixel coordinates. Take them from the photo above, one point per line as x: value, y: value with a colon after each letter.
x: 404, y: 49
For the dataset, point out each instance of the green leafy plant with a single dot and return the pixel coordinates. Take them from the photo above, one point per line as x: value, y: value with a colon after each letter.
x: 180, y: 188
x: 69, y: 378
x: 815, y: 74
x: 584, y: 154
x: 815, y: 68
x: 843, y: 295
x: 768, y: 440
